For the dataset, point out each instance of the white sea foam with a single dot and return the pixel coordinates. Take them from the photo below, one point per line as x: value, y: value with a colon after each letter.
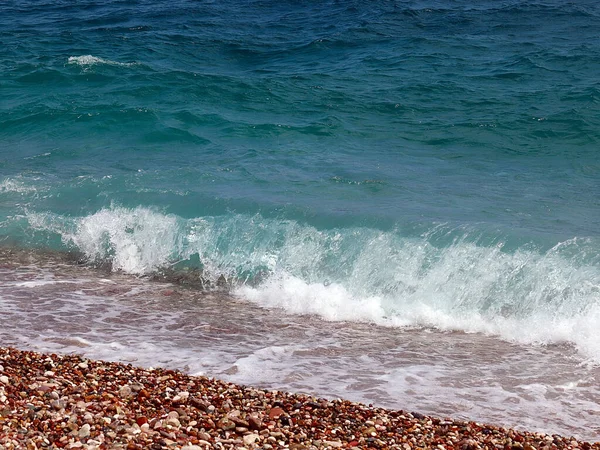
x: 362, y: 275
x: 135, y: 241
x: 89, y: 60
x: 261, y: 366
x: 331, y: 302
x: 38, y: 283
x: 142, y: 240
x: 14, y: 185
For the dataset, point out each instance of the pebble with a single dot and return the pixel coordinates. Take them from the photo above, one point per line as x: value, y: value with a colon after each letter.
x: 182, y: 397
x: 254, y: 423
x: 251, y: 439
x: 173, y: 422
x: 84, y: 431
x: 275, y: 413
x: 125, y: 391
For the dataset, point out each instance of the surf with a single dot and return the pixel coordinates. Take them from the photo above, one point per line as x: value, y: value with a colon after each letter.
x: 446, y: 278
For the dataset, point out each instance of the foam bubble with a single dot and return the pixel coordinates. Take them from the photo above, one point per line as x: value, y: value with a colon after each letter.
x: 89, y: 60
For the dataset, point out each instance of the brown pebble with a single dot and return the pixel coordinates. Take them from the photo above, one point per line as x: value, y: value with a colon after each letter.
x: 203, y: 436
x: 254, y: 423
x: 225, y: 424
x: 275, y: 413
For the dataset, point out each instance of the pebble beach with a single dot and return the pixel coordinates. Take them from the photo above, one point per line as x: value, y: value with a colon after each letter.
x: 68, y: 401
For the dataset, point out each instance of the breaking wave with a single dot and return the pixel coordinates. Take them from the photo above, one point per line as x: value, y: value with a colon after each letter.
x: 523, y: 294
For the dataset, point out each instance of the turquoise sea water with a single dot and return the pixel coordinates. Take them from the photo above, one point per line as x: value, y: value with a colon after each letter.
x: 423, y: 164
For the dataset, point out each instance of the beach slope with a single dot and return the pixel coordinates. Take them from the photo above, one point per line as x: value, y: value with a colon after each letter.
x: 54, y: 401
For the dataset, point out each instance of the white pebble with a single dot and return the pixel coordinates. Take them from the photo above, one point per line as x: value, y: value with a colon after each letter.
x: 250, y: 439
x: 84, y: 431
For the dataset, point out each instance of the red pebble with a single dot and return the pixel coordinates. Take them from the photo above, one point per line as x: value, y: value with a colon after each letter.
x: 141, y: 420
x: 275, y: 413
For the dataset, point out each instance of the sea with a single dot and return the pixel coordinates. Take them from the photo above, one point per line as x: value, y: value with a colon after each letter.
x: 391, y: 202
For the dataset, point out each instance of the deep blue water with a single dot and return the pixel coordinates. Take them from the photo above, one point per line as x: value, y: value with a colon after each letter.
x: 424, y: 162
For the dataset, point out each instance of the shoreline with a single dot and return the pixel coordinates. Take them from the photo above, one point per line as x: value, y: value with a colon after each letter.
x: 68, y: 401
